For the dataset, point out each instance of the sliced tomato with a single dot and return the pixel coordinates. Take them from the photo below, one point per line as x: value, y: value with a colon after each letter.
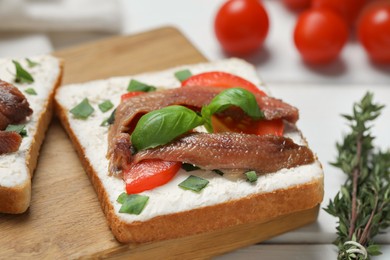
x: 221, y: 79
x: 247, y: 125
x: 273, y: 127
x: 130, y: 95
x: 149, y: 174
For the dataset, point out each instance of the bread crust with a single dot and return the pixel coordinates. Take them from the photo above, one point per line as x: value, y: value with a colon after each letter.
x: 260, y: 208
x: 16, y: 200
x: 235, y: 212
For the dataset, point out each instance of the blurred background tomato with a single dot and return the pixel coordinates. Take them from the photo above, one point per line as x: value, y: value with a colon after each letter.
x: 241, y: 26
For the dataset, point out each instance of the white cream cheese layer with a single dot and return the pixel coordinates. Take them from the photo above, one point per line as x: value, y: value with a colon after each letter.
x: 13, y: 168
x: 169, y: 198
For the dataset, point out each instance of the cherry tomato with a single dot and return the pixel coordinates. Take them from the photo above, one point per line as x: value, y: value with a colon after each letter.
x: 241, y: 26
x: 149, y: 174
x: 247, y: 125
x: 297, y: 4
x: 319, y: 35
x: 221, y: 79
x: 374, y: 31
x: 241, y: 122
x: 348, y: 9
x: 130, y: 95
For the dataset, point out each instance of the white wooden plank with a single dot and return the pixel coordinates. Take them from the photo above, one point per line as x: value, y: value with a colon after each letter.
x: 291, y: 252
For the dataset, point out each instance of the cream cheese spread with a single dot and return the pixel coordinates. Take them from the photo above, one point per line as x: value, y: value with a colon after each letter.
x: 169, y: 198
x: 13, y: 168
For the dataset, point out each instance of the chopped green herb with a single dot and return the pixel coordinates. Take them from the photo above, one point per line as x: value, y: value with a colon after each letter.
x: 189, y: 167
x: 31, y: 63
x: 105, y: 106
x: 132, y: 204
x: 82, y: 110
x: 251, y: 176
x: 105, y: 122
x: 219, y: 172
x: 22, y: 76
x: 110, y: 120
x: 20, y: 129
x: 193, y: 183
x: 182, y: 75
x: 135, y: 85
x: 31, y: 91
x: 122, y: 197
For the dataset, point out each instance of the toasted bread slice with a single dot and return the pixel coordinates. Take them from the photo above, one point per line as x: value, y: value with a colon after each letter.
x: 16, y: 169
x: 172, y: 212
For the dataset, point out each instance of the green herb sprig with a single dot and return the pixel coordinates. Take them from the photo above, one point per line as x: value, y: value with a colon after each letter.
x: 363, y: 203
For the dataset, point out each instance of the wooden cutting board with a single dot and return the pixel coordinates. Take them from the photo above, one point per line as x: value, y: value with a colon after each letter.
x: 65, y: 219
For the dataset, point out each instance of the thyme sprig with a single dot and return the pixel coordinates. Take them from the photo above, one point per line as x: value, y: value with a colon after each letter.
x: 363, y: 203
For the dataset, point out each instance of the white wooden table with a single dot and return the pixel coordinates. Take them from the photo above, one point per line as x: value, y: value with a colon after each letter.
x: 321, y: 94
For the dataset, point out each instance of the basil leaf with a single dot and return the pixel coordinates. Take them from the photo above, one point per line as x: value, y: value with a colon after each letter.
x: 162, y: 126
x: 31, y: 91
x: 194, y: 183
x: 251, y: 176
x: 21, y: 74
x: 182, y: 75
x: 135, y: 85
x: 82, y: 110
x: 105, y: 106
x: 189, y: 167
x: 20, y: 129
x: 31, y: 63
x: 133, y: 204
x: 231, y: 97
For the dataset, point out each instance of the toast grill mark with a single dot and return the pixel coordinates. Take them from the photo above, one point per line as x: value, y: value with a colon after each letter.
x: 14, y: 108
x: 129, y: 111
x: 263, y: 154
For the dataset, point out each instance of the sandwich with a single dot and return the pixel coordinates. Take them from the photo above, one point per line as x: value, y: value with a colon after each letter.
x: 27, y: 87
x: 188, y: 150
